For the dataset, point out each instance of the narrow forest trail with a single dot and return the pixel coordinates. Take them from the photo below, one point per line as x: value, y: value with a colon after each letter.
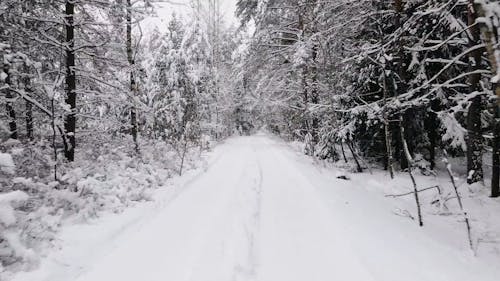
x: 259, y: 213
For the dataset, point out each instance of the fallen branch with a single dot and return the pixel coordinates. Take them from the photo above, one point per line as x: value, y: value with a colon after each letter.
x: 403, y: 213
x: 412, y: 192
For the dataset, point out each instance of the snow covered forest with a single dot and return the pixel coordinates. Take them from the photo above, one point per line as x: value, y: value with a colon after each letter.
x: 278, y: 138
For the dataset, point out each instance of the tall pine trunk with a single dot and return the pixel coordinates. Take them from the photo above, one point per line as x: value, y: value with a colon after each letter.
x: 27, y: 84
x: 399, y: 8
x: 133, y: 84
x: 495, y: 173
x: 474, y: 136
x: 431, y: 125
x: 9, y: 104
x: 314, y: 93
x: 491, y: 38
x: 5, y: 78
x: 70, y: 118
x: 387, y: 129
x: 29, y: 121
x: 29, y: 107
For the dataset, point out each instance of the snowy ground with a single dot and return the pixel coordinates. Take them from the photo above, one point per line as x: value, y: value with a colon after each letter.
x: 260, y: 211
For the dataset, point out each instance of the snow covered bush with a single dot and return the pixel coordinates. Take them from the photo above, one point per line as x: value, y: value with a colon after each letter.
x: 106, y: 178
x: 12, y: 249
x: 6, y: 164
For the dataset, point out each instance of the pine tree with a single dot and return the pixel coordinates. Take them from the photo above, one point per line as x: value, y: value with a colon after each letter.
x: 474, y: 128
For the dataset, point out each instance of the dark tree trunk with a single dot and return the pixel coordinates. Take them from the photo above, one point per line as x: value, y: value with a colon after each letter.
x: 490, y: 37
x: 133, y: 83
x: 474, y: 137
x: 70, y: 118
x: 402, y: 129
x: 358, y: 165
x: 431, y: 124
x: 343, y: 152
x: 305, y: 100
x: 400, y: 70
x: 306, y: 126
x: 474, y: 142
x: 29, y: 107
x: 314, y: 93
x: 495, y: 173
x: 389, y: 158
x: 9, y: 105
x: 29, y: 121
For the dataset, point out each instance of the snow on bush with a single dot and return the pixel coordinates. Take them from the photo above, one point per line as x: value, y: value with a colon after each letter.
x: 11, y: 248
x: 105, y: 178
x: 7, y: 216
x: 6, y: 163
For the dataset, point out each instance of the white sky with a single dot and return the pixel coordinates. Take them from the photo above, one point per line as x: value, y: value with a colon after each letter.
x: 183, y: 8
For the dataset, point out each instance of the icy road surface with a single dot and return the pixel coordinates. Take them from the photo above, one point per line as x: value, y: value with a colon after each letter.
x: 261, y: 213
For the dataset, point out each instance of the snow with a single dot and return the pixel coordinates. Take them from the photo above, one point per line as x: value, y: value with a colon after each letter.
x: 3, y: 76
x: 7, y: 216
x: 261, y: 211
x: 10, y: 237
x: 6, y: 163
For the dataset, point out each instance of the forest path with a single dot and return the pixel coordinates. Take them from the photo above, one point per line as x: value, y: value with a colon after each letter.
x: 251, y: 216
x: 263, y: 212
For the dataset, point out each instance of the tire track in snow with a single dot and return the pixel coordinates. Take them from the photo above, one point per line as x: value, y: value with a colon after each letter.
x: 172, y: 241
x: 301, y: 240
x: 229, y: 246
x: 224, y: 245
x: 248, y: 270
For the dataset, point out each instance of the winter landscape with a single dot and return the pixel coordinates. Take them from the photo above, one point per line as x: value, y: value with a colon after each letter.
x: 249, y: 140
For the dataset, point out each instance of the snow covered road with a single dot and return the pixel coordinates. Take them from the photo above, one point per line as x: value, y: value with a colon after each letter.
x: 260, y: 213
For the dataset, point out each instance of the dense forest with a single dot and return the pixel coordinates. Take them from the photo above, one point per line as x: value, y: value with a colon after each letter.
x: 95, y: 111
x: 380, y: 78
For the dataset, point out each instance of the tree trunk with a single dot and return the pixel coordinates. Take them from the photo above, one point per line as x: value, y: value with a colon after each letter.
x: 400, y: 70
x: 358, y: 165
x: 387, y: 130
x: 314, y: 93
x: 388, y: 147
x: 70, y: 118
x: 431, y: 125
x: 9, y: 104
x: 305, y: 100
x: 29, y: 107
x: 433, y: 136
x: 460, y: 204
x: 409, y: 160
x: 474, y: 137
x: 492, y: 38
x: 343, y: 151
x: 29, y: 121
x: 495, y: 173
x: 403, y: 160
x: 474, y: 142
x: 133, y: 84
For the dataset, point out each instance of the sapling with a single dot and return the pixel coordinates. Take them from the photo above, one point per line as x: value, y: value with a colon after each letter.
x: 358, y: 165
x: 343, y: 152
x: 409, y: 158
x: 459, y: 199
